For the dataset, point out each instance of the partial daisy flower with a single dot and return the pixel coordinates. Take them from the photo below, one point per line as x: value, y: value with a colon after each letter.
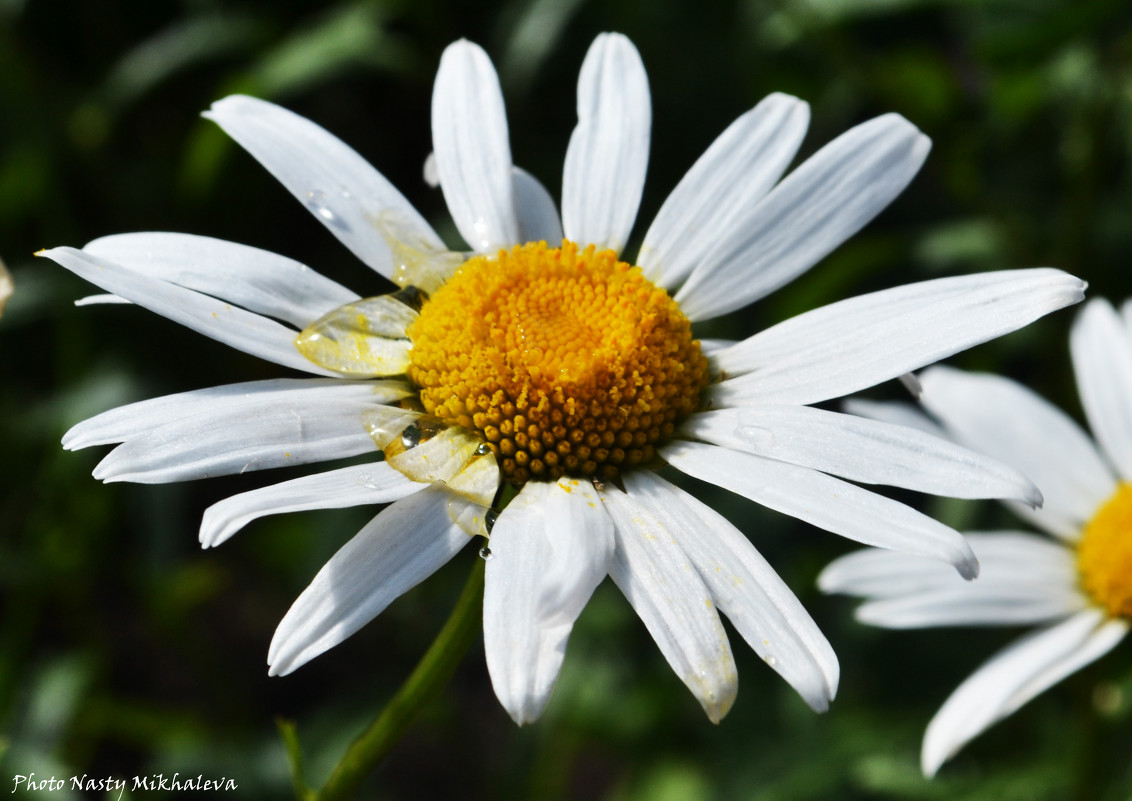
x: 6, y: 286
x: 529, y: 387
x: 1075, y: 583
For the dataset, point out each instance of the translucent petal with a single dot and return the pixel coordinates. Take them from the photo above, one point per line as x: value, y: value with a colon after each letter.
x: 430, y: 451
x: 362, y: 340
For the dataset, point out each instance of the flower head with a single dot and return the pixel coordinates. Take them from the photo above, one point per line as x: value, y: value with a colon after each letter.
x: 1075, y: 582
x: 528, y: 388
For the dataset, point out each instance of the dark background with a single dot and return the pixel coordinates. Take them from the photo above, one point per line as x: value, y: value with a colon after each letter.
x: 125, y: 650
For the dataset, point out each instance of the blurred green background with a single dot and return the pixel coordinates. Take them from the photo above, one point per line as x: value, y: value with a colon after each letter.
x: 125, y: 650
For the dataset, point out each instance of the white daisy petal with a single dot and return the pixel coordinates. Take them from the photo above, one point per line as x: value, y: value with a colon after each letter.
x: 117, y: 425
x: 356, y: 485
x: 666, y: 591
x: 861, y: 450
x: 1008, y: 421
x: 816, y: 208
x: 1014, y: 676
x: 255, y: 279
x: 535, y: 212
x: 473, y: 154
x: 402, y: 546
x: 1102, y: 362
x: 895, y: 412
x: 255, y: 433
x: 718, y: 195
x: 857, y: 343
x: 214, y: 318
x: 550, y: 548
x: 746, y: 589
x: 606, y: 160
x: 823, y: 501
x: 344, y: 192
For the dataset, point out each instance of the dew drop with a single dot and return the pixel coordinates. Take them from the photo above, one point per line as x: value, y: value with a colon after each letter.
x: 770, y: 660
x: 483, y: 449
x: 411, y: 436
x: 366, y: 480
x: 489, y: 519
x: 316, y: 202
x: 485, y: 553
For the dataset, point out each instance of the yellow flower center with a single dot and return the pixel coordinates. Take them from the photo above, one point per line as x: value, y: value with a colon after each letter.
x: 567, y: 363
x: 1104, y: 554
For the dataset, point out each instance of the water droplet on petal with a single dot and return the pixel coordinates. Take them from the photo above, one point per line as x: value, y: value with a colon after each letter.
x: 770, y: 660
x: 485, y: 553
x: 317, y: 203
x: 489, y: 519
x: 411, y: 436
x: 757, y: 437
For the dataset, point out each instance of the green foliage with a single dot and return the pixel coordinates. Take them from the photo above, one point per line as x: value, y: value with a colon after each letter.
x: 125, y: 650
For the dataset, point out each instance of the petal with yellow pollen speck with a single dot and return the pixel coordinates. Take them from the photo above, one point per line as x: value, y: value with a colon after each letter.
x: 746, y: 589
x: 550, y: 548
x: 340, y: 188
x: 664, y: 588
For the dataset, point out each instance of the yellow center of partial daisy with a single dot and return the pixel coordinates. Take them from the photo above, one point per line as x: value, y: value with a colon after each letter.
x: 567, y: 363
x: 1104, y: 554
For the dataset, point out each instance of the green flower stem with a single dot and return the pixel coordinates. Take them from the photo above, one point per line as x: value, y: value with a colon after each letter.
x: 431, y: 674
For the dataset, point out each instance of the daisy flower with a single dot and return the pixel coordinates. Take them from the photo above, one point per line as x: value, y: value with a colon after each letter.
x: 1074, y: 581
x: 528, y: 388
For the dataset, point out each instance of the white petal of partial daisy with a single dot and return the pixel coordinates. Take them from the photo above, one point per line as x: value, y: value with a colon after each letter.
x: 473, y: 154
x: 1005, y: 420
x: 817, y: 207
x: 857, y: 343
x: 402, y: 546
x: 1008, y: 557
x: 746, y: 589
x: 824, y: 501
x: 1102, y: 363
x: 665, y: 589
x: 1023, y: 579
x: 356, y: 485
x: 214, y: 318
x: 343, y: 191
x: 861, y: 450
x: 608, y: 154
x: 259, y: 281
x: 535, y: 212
x: 116, y: 425
x: 550, y: 548
x: 720, y: 192
x: 256, y: 434
x: 1014, y: 676
x: 895, y: 412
